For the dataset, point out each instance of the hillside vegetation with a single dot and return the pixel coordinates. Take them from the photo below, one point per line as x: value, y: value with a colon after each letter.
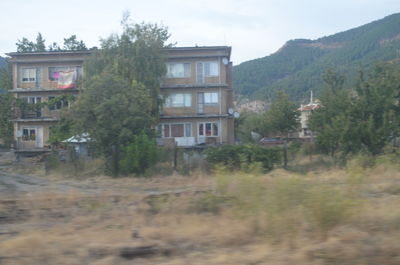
x: 2, y: 62
x: 299, y: 65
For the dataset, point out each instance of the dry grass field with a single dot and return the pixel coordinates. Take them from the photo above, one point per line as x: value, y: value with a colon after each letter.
x: 322, y: 215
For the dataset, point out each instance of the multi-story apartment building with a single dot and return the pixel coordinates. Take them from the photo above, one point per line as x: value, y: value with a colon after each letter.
x: 39, y: 77
x: 197, y: 90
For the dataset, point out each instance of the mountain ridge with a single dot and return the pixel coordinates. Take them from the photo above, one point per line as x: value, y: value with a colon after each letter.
x: 298, y: 66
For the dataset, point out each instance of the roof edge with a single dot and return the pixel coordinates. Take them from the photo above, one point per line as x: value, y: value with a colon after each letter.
x: 50, y: 52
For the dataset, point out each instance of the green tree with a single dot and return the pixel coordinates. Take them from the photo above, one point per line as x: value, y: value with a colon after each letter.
x: 40, y: 45
x: 247, y: 124
x: 6, y: 101
x: 282, y: 118
x: 54, y: 47
x: 121, y: 97
x: 139, y: 155
x: 6, y: 128
x: 365, y: 118
x: 72, y: 44
x: 6, y: 81
x: 25, y: 45
x: 377, y: 110
x: 331, y: 121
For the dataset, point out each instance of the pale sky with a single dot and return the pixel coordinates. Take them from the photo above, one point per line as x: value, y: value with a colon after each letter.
x: 254, y: 28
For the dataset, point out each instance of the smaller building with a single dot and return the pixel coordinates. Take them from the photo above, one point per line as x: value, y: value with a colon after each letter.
x: 305, y: 112
x: 79, y: 143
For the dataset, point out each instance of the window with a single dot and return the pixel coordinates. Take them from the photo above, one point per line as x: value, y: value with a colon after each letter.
x: 211, y: 98
x: 179, y: 100
x: 208, y: 129
x: 178, y: 70
x: 28, y: 74
x: 211, y: 69
x: 28, y: 134
x: 63, y: 103
x: 176, y: 130
x: 32, y: 100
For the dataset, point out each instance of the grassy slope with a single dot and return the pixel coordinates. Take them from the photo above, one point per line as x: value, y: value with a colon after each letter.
x: 298, y: 67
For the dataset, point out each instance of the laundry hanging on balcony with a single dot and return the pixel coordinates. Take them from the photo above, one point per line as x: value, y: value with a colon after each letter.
x: 66, y: 79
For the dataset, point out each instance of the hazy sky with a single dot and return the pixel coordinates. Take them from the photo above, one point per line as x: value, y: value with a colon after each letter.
x: 254, y: 28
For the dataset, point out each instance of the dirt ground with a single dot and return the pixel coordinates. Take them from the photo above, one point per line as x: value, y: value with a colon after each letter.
x: 51, y: 219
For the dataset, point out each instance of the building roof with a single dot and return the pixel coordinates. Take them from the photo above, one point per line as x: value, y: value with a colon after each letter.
x: 14, y: 54
x: 83, y: 138
x: 308, y: 107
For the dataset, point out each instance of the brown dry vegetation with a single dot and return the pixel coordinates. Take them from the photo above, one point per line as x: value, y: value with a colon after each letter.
x: 320, y: 216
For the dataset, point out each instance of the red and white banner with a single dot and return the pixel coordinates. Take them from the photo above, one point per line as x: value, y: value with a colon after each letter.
x: 66, y: 79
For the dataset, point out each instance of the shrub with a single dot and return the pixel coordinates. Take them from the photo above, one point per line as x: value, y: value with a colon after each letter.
x: 242, y: 156
x: 139, y: 156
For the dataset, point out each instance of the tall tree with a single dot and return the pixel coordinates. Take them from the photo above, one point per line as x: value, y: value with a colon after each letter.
x: 365, y: 118
x: 330, y: 122
x: 25, y: 45
x: 72, y: 44
x: 377, y: 107
x: 121, y: 97
x: 6, y: 128
x: 40, y: 45
x: 282, y: 118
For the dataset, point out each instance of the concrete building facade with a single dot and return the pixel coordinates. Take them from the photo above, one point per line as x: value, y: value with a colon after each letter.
x: 197, y: 91
x: 39, y: 77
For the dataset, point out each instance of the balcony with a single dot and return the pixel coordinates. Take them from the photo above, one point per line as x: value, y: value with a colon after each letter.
x: 187, y: 141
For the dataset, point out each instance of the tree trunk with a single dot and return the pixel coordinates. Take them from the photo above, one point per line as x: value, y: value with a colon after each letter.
x: 285, y: 159
x: 115, y: 160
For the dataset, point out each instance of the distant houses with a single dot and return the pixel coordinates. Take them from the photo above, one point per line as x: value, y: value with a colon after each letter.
x: 305, y: 112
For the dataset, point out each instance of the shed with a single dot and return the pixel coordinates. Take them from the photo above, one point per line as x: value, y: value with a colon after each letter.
x: 79, y: 143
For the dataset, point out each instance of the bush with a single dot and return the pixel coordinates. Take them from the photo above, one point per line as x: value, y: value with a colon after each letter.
x: 242, y: 156
x: 139, y: 156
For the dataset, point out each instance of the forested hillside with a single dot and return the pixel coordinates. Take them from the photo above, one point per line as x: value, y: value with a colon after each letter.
x: 2, y: 62
x: 299, y: 65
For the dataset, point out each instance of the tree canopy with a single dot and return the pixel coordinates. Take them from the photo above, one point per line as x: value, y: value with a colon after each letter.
x: 362, y: 119
x: 121, y: 90
x: 70, y: 44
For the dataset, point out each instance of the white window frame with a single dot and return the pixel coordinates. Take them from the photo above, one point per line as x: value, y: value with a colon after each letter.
x: 174, y: 72
x: 172, y: 101
x: 29, y: 129
x: 212, y: 123
x: 32, y: 99
x: 211, y: 68
x: 211, y: 98
x: 185, y: 126
x: 29, y: 74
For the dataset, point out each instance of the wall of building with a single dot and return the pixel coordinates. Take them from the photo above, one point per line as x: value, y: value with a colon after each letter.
x: 189, y: 84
